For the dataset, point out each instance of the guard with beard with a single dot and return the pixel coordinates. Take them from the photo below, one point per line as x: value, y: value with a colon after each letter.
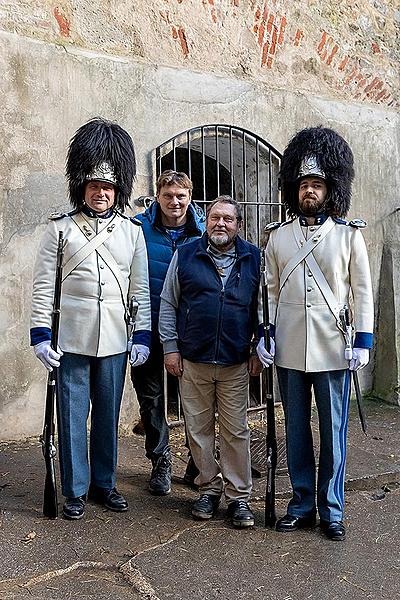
x: 208, y: 318
x: 317, y: 266
x: 105, y: 267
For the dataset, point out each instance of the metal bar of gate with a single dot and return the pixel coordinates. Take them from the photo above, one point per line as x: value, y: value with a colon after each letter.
x: 217, y: 157
x: 189, y: 155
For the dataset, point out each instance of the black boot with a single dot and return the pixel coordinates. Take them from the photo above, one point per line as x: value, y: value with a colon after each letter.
x: 160, y: 479
x: 74, y: 508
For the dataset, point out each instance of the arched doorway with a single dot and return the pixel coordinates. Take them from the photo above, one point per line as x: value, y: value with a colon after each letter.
x: 225, y: 159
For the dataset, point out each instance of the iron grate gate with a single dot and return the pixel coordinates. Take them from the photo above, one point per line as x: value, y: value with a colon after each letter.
x: 224, y: 159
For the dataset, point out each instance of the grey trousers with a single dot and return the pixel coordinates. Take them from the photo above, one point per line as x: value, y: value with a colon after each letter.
x: 205, y: 390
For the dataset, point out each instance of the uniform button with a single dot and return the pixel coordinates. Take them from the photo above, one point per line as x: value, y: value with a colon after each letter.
x: 309, y: 274
x: 313, y: 228
x: 101, y: 266
x: 308, y: 305
x: 301, y: 242
x: 100, y: 221
x: 102, y: 283
x: 309, y: 289
x: 101, y: 299
x: 315, y: 239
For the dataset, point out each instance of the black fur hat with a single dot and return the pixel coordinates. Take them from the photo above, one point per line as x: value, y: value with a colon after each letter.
x: 101, y: 150
x: 335, y: 161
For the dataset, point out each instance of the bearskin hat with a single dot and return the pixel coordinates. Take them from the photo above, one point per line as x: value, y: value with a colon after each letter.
x: 329, y: 156
x: 101, y: 150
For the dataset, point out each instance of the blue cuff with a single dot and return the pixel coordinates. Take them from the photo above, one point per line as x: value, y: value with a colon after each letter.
x: 363, y: 340
x: 261, y: 330
x: 40, y: 334
x: 142, y: 337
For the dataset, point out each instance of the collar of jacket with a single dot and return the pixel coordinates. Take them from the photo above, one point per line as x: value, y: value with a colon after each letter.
x: 319, y: 219
x: 94, y: 215
x: 241, y: 247
x: 193, y: 217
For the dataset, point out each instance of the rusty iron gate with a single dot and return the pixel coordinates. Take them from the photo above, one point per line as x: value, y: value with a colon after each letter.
x: 225, y: 159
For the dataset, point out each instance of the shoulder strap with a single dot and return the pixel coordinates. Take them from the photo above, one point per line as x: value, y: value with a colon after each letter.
x: 305, y: 249
x: 90, y: 245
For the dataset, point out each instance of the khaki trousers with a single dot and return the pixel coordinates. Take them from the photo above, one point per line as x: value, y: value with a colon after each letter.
x: 205, y: 390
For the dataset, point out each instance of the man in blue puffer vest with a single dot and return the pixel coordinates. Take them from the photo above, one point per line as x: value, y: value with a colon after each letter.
x: 167, y: 224
x: 208, y: 317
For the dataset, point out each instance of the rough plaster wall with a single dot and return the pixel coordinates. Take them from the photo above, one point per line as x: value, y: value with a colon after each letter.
x: 50, y: 88
x: 346, y: 49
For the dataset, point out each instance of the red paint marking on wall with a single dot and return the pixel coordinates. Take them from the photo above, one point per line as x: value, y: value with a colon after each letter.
x: 371, y: 85
x: 235, y: 3
x: 375, y: 48
x: 298, y: 37
x: 272, y: 49
x: 322, y: 42
x: 165, y: 18
x: 343, y: 63
x: 264, y: 54
x: 63, y: 23
x: 261, y: 30
x: 182, y: 39
x: 351, y: 76
x: 282, y: 30
x: 174, y: 33
x: 332, y: 54
x: 270, y: 23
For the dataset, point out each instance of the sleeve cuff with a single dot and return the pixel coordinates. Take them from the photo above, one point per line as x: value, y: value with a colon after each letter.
x: 40, y: 334
x: 170, y: 346
x: 261, y: 330
x: 142, y: 337
x: 363, y: 340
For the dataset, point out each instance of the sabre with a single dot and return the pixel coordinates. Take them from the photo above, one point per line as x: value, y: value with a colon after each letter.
x: 348, y: 353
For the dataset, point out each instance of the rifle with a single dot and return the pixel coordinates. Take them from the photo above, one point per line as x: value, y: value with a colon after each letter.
x: 348, y: 353
x: 268, y: 388
x: 50, y: 504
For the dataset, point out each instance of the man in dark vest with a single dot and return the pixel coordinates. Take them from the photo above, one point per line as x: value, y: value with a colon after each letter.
x: 167, y: 224
x: 208, y: 318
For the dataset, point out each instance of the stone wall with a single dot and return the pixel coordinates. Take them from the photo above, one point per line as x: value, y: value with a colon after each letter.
x: 161, y: 68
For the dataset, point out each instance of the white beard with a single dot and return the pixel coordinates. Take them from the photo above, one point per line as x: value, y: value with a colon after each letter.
x: 218, y: 240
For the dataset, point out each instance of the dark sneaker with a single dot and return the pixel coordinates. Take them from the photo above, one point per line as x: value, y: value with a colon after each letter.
x: 74, y: 508
x: 160, y: 478
x: 191, y: 473
x: 334, y: 530
x: 240, y: 514
x: 205, y: 507
x: 110, y: 498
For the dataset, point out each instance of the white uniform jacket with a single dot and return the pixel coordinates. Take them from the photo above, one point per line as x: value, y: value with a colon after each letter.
x: 306, y: 333
x: 93, y: 304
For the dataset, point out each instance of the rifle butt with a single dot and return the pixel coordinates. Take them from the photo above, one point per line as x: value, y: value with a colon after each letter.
x: 50, y: 503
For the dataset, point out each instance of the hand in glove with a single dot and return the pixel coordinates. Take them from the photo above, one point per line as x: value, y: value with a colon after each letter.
x: 267, y: 358
x: 45, y: 353
x: 360, y: 359
x: 139, y: 355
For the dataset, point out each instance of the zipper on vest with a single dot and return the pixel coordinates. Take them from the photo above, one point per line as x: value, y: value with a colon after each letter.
x: 221, y: 302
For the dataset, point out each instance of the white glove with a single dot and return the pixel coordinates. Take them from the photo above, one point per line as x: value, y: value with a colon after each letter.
x: 360, y: 359
x: 45, y: 353
x: 267, y: 358
x: 139, y: 355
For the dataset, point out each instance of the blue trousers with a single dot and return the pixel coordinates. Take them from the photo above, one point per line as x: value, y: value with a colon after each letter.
x: 332, y: 394
x: 83, y: 381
